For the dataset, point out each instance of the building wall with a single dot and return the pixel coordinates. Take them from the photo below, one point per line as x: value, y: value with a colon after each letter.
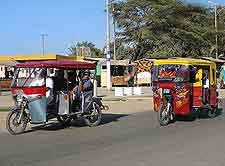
x: 2, y: 71
x: 6, y: 72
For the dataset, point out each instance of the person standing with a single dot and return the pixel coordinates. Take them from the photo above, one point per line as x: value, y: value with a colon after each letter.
x: 205, y: 80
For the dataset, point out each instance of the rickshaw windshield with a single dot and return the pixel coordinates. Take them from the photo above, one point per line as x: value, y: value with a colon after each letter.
x: 29, y: 77
x: 170, y: 73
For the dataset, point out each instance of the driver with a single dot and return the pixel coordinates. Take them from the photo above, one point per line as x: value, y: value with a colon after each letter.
x: 85, y: 88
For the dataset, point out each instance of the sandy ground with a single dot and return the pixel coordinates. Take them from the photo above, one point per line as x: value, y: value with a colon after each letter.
x: 129, y: 106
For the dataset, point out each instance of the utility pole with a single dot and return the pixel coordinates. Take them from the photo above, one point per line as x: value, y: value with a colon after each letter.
x: 216, y: 30
x: 43, y: 43
x: 108, y: 58
x: 114, y: 33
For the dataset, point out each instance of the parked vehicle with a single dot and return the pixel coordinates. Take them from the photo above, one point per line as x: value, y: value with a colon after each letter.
x: 184, y: 86
x: 32, y: 105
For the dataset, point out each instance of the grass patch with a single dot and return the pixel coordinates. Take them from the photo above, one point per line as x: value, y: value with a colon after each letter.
x: 4, y: 109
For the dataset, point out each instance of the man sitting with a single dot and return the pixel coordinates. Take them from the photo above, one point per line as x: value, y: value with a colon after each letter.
x: 84, y: 91
x: 60, y: 83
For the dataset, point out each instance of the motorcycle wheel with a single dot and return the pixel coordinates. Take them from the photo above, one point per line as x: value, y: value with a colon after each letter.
x: 212, y: 113
x: 64, y: 119
x: 12, y: 124
x: 163, y: 117
x: 94, y: 118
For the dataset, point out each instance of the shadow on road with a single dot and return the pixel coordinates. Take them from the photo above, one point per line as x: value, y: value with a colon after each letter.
x: 108, y: 118
x: 203, y: 115
x: 185, y: 118
x: 55, y: 125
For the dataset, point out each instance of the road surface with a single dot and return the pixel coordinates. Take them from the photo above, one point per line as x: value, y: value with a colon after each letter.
x: 130, y: 139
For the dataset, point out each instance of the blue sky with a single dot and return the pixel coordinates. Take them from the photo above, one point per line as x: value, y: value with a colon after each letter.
x: 65, y: 22
x: 206, y: 1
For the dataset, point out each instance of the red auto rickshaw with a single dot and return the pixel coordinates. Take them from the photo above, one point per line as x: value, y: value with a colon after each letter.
x: 184, y: 86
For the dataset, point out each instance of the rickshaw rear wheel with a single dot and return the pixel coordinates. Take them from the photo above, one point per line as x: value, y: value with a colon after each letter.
x: 64, y: 119
x: 95, y: 117
x: 212, y: 112
x: 164, y: 119
x: 12, y: 124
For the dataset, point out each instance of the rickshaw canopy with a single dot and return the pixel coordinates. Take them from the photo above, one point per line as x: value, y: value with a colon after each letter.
x: 184, y: 61
x: 63, y: 64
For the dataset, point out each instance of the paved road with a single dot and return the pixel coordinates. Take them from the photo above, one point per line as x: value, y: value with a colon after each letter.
x: 123, y: 139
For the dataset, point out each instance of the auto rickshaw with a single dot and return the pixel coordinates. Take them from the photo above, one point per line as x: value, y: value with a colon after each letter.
x: 183, y: 86
x: 32, y: 105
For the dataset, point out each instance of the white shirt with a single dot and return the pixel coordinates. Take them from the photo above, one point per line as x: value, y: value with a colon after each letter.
x: 206, y: 85
x: 49, y: 84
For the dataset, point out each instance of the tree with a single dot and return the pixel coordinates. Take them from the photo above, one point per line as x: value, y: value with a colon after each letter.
x: 85, y: 44
x: 160, y: 28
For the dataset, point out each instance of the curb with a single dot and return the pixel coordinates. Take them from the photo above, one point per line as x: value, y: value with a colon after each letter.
x: 125, y: 98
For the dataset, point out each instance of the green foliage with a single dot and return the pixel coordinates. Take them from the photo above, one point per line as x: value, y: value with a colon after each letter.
x: 95, y: 52
x: 165, y: 28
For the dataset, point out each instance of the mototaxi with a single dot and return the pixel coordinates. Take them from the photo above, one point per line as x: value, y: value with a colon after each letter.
x: 33, y: 106
x: 180, y: 88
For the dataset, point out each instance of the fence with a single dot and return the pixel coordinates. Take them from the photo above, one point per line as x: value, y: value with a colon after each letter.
x: 5, y: 85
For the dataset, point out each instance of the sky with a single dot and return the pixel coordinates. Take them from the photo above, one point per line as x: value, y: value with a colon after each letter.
x: 64, y: 21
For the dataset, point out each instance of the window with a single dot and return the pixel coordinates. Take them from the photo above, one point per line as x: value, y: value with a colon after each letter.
x: 34, y: 77
x: 175, y: 73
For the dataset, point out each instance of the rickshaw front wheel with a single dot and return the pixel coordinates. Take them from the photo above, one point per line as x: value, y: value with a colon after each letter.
x: 163, y: 115
x: 13, y: 126
x: 95, y: 116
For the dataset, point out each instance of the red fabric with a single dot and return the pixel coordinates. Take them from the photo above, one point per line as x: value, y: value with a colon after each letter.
x: 31, y: 91
x: 71, y: 64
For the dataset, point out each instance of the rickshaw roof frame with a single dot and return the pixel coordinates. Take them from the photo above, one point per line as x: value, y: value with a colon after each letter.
x: 184, y: 61
x: 62, y: 64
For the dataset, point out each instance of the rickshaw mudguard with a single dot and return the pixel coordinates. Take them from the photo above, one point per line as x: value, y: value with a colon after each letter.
x: 37, y: 109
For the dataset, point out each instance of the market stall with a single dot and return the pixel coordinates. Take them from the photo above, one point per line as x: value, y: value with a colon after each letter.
x: 143, y: 71
x: 121, y: 72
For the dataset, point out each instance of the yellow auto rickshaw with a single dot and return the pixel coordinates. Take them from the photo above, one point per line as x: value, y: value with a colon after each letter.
x: 183, y: 86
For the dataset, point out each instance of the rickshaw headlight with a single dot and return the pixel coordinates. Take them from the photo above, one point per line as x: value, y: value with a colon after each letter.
x: 19, y: 98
